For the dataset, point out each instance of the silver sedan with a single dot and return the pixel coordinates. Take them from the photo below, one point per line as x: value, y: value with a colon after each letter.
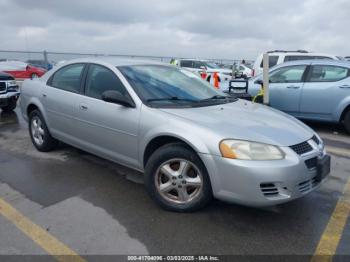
x: 192, y: 141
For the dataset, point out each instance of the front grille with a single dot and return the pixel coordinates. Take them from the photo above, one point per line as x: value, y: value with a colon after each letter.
x: 311, y: 163
x: 302, y: 148
x: 2, y: 87
x: 307, y: 185
x: 12, y: 89
x: 269, y: 189
x: 316, y: 140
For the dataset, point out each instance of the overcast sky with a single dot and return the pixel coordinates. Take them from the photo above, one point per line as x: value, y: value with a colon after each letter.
x: 190, y: 28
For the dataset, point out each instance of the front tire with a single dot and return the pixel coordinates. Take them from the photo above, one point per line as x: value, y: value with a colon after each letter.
x: 39, y: 133
x: 12, y: 103
x: 177, y: 180
x: 347, y: 121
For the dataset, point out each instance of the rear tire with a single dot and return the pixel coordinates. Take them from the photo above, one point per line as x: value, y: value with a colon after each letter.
x: 347, y: 121
x: 39, y: 133
x: 33, y: 76
x: 177, y: 180
x: 12, y: 103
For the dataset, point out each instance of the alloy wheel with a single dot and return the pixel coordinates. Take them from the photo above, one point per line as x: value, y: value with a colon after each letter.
x: 179, y: 181
x: 37, y: 130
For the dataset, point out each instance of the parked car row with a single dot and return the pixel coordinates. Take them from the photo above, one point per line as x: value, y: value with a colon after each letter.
x: 198, y: 66
x: 21, y: 70
x: 309, y: 89
x: 41, y: 64
x: 277, y: 57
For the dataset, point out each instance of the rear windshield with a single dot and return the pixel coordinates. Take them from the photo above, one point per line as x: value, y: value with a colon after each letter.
x: 273, y: 59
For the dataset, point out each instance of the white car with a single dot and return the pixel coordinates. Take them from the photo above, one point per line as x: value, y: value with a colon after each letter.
x: 245, y: 70
x: 279, y: 56
x: 198, y: 66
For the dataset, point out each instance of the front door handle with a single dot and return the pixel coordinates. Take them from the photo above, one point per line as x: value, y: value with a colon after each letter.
x: 344, y: 86
x: 293, y: 87
x: 83, y: 107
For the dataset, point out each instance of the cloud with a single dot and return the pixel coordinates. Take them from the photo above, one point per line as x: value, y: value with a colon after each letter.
x: 226, y: 29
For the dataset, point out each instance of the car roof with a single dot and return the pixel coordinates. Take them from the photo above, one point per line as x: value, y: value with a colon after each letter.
x: 4, y: 74
x: 114, y: 61
x: 300, y: 54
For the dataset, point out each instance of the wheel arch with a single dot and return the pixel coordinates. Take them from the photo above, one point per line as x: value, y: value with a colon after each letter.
x: 30, y: 108
x: 34, y: 104
x: 345, y: 111
x: 160, y: 141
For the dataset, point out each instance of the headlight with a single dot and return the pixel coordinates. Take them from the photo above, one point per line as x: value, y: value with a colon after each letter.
x: 12, y: 83
x: 245, y: 150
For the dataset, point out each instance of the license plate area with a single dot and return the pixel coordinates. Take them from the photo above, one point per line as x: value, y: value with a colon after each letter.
x: 323, y: 168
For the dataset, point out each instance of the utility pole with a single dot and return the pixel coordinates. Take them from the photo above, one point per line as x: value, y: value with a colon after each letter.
x: 266, y: 81
x: 45, y: 56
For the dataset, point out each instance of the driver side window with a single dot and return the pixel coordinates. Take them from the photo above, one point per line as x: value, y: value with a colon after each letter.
x: 291, y: 74
x: 101, y: 79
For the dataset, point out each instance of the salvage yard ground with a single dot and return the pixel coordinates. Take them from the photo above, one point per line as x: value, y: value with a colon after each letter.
x: 71, y: 202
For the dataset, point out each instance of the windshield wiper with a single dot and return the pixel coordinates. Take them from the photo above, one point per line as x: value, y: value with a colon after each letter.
x: 214, y: 98
x: 173, y: 98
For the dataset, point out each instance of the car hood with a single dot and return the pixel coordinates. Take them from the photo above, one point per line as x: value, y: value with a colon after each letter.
x: 5, y: 77
x: 247, y: 121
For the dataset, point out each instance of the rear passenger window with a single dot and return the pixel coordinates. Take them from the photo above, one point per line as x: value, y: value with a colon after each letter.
x: 68, y: 78
x: 327, y: 73
x: 323, y: 57
x: 304, y: 57
x: 197, y: 64
x: 297, y: 57
x: 186, y: 63
x: 101, y: 79
x: 272, y: 61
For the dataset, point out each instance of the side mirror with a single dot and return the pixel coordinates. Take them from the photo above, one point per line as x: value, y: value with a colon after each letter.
x: 259, y: 82
x: 116, y: 97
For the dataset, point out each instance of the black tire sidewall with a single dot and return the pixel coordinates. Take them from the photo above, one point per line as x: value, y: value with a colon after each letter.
x: 49, y: 142
x: 164, y: 154
x: 12, y: 104
x: 347, y: 121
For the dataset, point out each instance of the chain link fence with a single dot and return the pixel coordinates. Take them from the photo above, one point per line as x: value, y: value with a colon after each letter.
x: 55, y: 57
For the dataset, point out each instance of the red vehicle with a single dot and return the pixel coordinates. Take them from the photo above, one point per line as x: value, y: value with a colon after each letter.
x: 20, y: 70
x: 28, y: 72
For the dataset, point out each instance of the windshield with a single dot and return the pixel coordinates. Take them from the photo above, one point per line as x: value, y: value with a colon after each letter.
x: 159, y: 85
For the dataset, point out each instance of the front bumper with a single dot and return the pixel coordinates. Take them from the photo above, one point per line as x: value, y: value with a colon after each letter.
x: 262, y: 183
x: 4, y: 98
x: 9, y: 95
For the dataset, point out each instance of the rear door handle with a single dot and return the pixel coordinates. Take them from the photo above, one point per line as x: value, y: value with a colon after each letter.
x: 83, y: 107
x: 293, y: 87
x: 344, y: 86
x: 44, y: 95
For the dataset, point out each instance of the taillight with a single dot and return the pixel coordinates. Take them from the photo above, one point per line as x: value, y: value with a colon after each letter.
x: 253, y: 72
